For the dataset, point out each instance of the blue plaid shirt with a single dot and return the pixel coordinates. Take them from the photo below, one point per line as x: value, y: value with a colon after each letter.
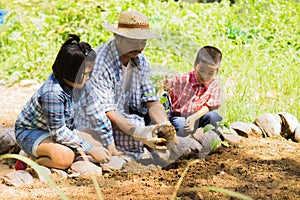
x: 88, y: 113
x: 51, y: 109
x: 107, y: 78
x: 108, y: 81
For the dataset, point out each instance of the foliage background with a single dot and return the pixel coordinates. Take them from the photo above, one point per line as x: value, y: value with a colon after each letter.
x: 260, y: 41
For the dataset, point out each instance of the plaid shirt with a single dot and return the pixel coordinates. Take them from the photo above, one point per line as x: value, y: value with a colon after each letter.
x: 107, y: 78
x: 51, y: 109
x: 88, y: 113
x: 188, y: 96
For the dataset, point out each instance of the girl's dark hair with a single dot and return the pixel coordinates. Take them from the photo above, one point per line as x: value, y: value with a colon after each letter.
x: 70, y: 60
x: 210, y: 55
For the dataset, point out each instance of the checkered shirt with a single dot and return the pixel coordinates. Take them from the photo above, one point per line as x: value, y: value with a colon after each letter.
x: 51, y: 109
x: 88, y: 114
x: 188, y: 96
x: 108, y: 81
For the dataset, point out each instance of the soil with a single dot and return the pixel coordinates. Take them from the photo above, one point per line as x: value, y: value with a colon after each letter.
x: 260, y: 168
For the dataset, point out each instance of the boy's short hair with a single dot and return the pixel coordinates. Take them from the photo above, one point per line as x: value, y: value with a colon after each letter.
x: 210, y: 55
x: 70, y: 60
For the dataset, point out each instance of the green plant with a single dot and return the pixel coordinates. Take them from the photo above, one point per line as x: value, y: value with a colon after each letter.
x: 215, y: 142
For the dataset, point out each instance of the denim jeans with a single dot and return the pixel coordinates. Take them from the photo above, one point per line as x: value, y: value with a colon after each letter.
x: 29, y: 140
x: 179, y: 122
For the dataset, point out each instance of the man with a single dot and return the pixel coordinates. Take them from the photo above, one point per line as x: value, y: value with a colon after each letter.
x: 123, y: 85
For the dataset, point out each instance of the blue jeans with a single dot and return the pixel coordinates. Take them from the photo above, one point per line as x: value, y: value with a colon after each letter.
x: 179, y: 122
x: 29, y: 140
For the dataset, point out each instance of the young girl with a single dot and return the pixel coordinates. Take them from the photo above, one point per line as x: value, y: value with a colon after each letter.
x: 45, y: 128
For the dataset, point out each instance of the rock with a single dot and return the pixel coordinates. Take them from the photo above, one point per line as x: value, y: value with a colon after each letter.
x: 41, y: 172
x: 209, y: 141
x: 86, y: 168
x: 59, y: 173
x: 230, y: 135
x: 297, y: 133
x: 256, y: 130
x: 289, y: 124
x: 17, y: 178
x: 8, y: 141
x: 116, y: 162
x: 242, y: 128
x: 245, y: 129
x: 270, y: 124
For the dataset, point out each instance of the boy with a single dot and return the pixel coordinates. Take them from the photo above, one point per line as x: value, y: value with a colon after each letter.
x: 194, y: 95
x: 45, y: 129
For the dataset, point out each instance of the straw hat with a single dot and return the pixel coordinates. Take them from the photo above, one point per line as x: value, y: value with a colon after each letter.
x: 132, y: 24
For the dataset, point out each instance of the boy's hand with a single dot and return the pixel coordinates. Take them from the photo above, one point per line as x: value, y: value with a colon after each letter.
x: 190, y: 123
x: 146, y: 135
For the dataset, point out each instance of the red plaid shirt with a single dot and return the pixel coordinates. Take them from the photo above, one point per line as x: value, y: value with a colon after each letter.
x: 188, y: 96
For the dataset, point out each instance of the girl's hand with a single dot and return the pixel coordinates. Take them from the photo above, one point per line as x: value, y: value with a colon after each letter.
x: 100, y: 154
x: 113, y: 151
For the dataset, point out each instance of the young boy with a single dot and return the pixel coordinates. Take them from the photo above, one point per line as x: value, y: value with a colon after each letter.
x: 45, y: 129
x: 194, y: 95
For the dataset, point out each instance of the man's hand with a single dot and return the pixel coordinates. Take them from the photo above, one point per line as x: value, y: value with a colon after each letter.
x: 146, y: 135
x: 167, y: 130
x: 100, y: 154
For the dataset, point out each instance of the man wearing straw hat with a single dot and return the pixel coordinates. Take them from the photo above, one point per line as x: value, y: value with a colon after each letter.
x: 121, y: 77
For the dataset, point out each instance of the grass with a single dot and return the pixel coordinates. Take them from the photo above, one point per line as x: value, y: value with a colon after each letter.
x: 259, y: 40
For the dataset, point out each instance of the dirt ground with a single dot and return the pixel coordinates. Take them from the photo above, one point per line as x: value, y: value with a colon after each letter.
x: 261, y: 168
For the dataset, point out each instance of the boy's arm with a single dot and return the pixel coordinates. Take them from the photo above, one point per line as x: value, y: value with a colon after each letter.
x: 212, y: 103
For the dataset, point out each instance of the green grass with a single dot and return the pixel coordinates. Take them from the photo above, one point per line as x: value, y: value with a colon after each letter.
x: 259, y: 40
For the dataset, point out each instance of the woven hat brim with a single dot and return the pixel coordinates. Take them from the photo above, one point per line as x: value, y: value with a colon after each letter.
x: 134, y: 33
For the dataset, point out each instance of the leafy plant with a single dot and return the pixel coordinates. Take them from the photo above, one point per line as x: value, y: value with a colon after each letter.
x: 214, y: 143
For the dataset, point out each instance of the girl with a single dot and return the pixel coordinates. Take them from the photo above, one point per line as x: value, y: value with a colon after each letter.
x: 45, y: 128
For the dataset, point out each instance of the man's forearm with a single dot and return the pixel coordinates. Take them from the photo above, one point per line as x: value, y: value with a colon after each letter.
x: 120, y: 122
x: 157, y: 112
